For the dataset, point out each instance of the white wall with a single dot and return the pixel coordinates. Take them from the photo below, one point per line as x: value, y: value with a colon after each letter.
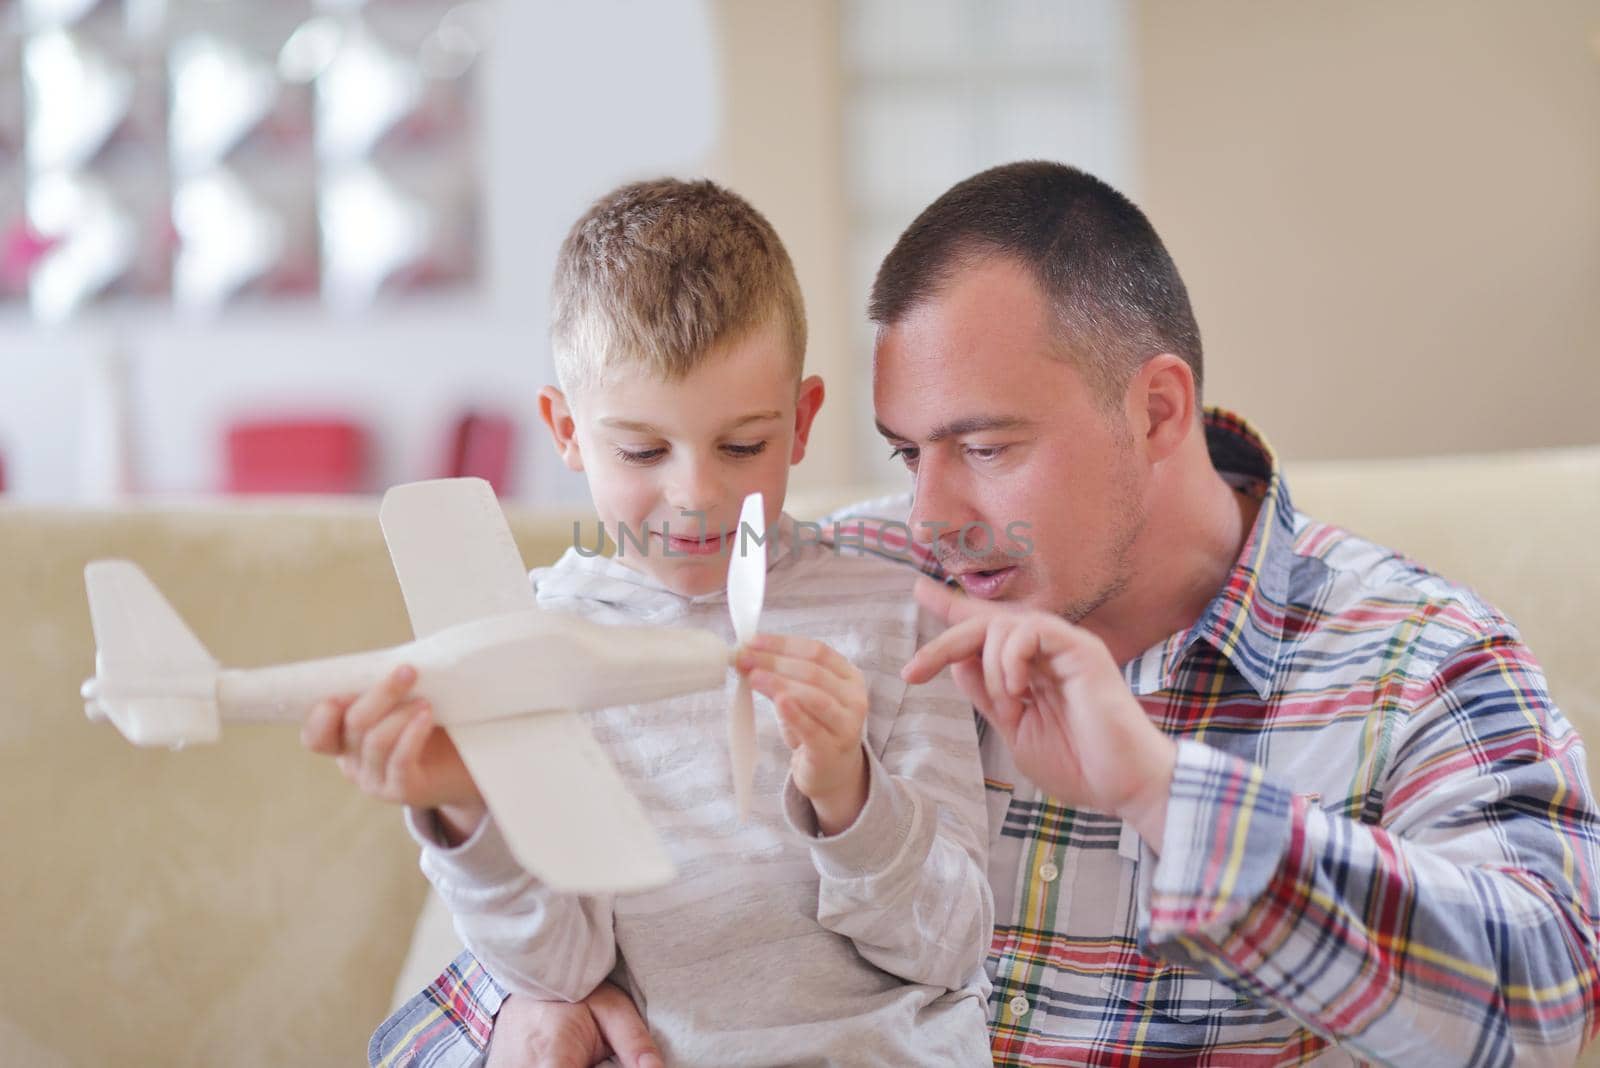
x: 779, y: 144
x: 577, y: 97
x: 1388, y: 215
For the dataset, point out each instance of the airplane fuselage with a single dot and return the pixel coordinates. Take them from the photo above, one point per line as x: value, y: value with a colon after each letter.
x: 490, y: 668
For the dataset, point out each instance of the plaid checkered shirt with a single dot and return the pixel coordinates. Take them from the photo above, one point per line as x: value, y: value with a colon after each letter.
x: 1380, y: 843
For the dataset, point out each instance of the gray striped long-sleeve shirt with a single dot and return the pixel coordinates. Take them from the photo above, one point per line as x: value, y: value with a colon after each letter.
x: 772, y: 946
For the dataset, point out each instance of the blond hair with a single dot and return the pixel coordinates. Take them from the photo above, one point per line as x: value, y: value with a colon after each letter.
x: 657, y: 274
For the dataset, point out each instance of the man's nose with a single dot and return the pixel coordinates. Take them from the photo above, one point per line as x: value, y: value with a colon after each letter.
x: 938, y: 507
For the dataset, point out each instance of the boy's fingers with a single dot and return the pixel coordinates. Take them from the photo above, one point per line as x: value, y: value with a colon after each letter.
x: 774, y: 689
x: 768, y: 685
x: 406, y: 759
x: 846, y: 689
x: 376, y: 703
x: 813, y: 714
x: 323, y: 730
x: 378, y: 744
x: 801, y: 724
x: 780, y: 689
x: 791, y: 740
x: 810, y: 650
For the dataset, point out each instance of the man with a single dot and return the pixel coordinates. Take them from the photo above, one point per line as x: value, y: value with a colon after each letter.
x: 1260, y: 792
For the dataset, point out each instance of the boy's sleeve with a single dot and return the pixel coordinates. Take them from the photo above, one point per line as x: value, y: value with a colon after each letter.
x: 445, y: 1025
x: 548, y: 945
x: 907, y: 882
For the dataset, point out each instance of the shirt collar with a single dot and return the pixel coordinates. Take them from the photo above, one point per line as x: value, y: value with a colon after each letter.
x: 1244, y: 621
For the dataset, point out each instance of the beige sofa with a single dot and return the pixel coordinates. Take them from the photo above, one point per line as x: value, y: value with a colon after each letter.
x: 240, y: 905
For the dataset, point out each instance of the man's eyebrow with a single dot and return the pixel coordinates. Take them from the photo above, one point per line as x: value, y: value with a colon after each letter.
x: 974, y: 425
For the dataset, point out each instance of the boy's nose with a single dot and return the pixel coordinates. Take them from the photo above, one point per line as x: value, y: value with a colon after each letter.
x: 699, y: 490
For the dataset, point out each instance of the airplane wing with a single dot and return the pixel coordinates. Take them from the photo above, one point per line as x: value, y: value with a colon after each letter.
x: 563, y: 809
x: 453, y: 553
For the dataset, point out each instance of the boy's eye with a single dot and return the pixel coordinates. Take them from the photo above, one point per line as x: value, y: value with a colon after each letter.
x: 906, y: 454
x: 754, y: 449
x: 639, y: 456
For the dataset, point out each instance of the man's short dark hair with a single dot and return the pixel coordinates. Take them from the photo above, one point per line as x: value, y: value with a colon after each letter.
x: 1116, y: 292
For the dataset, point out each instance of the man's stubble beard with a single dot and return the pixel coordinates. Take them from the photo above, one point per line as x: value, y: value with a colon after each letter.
x: 1131, y: 518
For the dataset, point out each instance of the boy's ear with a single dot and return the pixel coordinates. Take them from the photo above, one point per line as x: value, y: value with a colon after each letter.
x: 807, y: 401
x: 557, y: 415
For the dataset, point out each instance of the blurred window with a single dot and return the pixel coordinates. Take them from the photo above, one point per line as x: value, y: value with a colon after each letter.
x: 217, y: 152
x: 937, y: 90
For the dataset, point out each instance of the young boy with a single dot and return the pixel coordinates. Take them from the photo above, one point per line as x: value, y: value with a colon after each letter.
x: 846, y: 921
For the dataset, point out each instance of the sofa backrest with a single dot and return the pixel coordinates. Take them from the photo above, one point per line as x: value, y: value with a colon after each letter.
x: 235, y: 904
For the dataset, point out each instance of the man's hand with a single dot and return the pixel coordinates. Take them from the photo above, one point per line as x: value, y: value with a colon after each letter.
x: 821, y: 699
x: 1056, y: 696
x: 552, y: 1034
x: 385, y: 742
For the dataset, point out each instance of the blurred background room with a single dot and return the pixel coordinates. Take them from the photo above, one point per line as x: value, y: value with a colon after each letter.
x: 252, y: 250
x: 303, y: 245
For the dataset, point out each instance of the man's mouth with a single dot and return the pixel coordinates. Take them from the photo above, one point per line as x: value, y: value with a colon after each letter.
x: 986, y: 584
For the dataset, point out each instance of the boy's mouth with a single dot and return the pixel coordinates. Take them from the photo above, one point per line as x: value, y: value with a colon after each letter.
x: 710, y: 545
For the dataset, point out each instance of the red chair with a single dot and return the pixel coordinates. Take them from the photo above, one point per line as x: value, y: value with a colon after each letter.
x: 296, y: 456
x: 481, y: 445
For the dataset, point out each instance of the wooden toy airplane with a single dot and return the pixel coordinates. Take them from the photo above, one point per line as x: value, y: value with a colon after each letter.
x: 505, y: 678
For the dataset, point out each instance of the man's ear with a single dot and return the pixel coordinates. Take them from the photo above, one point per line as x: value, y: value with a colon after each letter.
x: 807, y: 401
x: 557, y: 416
x: 1162, y: 403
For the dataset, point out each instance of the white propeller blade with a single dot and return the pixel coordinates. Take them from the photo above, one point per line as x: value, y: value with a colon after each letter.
x: 747, y: 588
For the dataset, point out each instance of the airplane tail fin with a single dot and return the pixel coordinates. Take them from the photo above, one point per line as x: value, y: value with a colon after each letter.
x: 153, y: 679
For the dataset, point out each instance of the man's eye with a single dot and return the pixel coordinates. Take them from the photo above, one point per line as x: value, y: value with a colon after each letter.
x: 985, y: 452
x: 906, y: 454
x: 640, y: 456
x: 754, y: 449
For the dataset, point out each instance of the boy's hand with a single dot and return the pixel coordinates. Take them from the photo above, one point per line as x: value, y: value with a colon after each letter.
x: 385, y: 742
x: 822, y: 704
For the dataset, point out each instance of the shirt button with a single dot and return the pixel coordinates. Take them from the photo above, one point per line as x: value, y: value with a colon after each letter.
x: 1049, y: 872
x: 1019, y: 1006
